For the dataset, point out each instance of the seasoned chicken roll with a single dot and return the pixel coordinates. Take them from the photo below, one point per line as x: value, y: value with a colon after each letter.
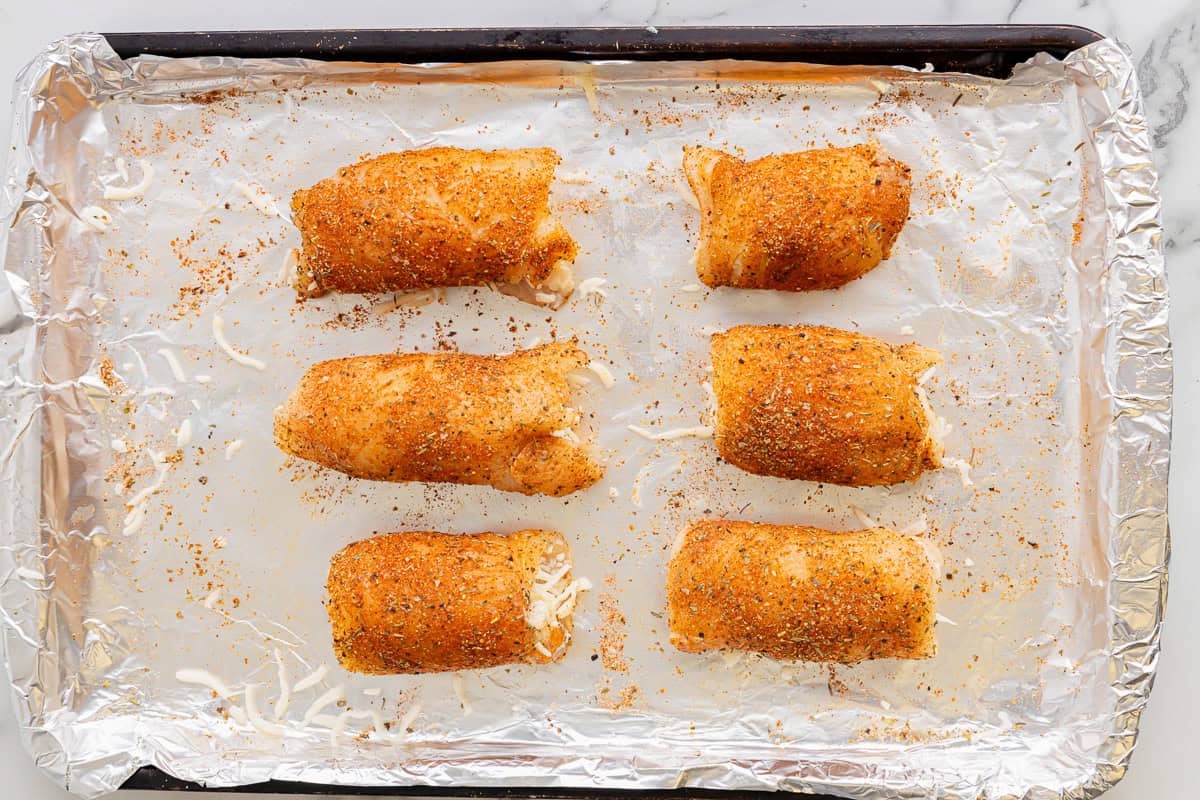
x: 505, y: 421
x: 793, y: 592
x: 796, y: 221
x: 430, y: 602
x: 443, y: 216
x: 822, y: 404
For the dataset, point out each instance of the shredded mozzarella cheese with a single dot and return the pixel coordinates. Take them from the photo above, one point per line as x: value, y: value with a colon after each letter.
x: 258, y: 197
x: 255, y: 717
x: 183, y: 436
x: 232, y: 448
x: 461, y: 691
x: 327, y: 699
x: 96, y: 218
x: 130, y: 192
x: 285, y: 691
x: 691, y: 288
x: 606, y: 378
x: 863, y: 519
x: 312, y: 679
x: 587, y: 82
x: 218, y: 329
x: 173, y: 362
x: 964, y: 470
x: 203, y: 677
x: 699, y: 431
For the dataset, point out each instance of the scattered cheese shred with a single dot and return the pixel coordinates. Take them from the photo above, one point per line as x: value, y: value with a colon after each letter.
x: 906, y: 330
x: 636, y: 494
x: 232, y: 448
x: 172, y: 360
x: 255, y: 717
x: 312, y: 679
x: 218, y: 329
x: 699, y: 431
x: 863, y: 518
x: 258, y: 197
x: 916, y: 527
x: 95, y: 218
x: 203, y: 677
x: 614, y: 492
x: 691, y: 288
x: 130, y: 192
x: 461, y: 691
x: 285, y: 691
x: 327, y: 699
x: 606, y: 377
x: 183, y: 436
x: 210, y: 602
x: 587, y: 82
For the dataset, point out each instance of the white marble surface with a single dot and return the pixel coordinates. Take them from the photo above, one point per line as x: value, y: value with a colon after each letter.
x: 1165, y: 38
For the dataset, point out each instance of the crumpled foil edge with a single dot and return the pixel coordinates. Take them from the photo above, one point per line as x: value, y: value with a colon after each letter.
x: 1134, y: 455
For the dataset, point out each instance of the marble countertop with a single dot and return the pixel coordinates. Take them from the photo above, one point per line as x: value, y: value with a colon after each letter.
x: 1164, y: 36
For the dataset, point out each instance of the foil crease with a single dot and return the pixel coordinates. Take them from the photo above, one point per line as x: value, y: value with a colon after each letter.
x: 76, y: 638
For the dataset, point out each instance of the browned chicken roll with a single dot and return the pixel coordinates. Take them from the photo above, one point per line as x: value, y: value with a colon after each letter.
x: 793, y: 592
x: 431, y: 602
x: 505, y: 421
x: 443, y: 216
x: 796, y: 221
x: 822, y: 404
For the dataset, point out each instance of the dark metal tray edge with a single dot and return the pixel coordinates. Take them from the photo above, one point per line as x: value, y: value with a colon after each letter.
x: 987, y: 50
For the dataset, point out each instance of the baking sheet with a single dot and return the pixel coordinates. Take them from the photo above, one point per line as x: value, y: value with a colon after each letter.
x: 1031, y: 259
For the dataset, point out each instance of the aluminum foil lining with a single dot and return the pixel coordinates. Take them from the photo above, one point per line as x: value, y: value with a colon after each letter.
x: 150, y: 526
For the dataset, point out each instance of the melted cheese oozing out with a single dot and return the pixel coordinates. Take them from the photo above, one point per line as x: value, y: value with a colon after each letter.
x: 287, y: 272
x: 699, y: 431
x: 552, y: 598
x: 964, y: 470
x: 130, y: 192
x: 592, y: 286
x: 939, y: 429
x: 218, y: 329
x: 557, y: 286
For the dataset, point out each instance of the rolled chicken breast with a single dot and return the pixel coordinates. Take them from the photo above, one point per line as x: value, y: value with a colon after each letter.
x: 442, y: 216
x: 821, y: 404
x: 796, y: 221
x: 794, y: 592
x: 422, y: 601
x: 505, y: 421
